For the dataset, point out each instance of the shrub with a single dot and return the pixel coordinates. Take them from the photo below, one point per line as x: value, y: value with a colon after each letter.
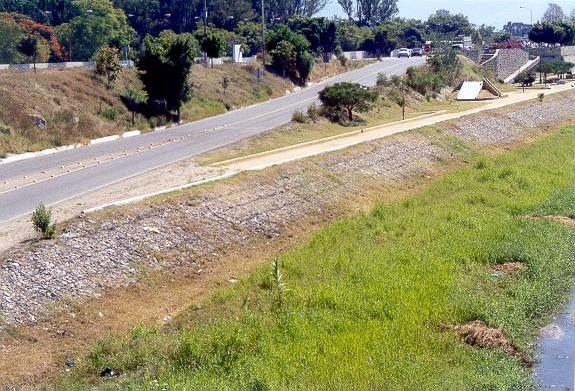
x: 382, y: 80
x: 42, y: 221
x: 423, y: 80
x: 525, y: 79
x: 342, y: 60
x: 110, y: 113
x: 313, y: 112
x: 299, y: 117
x: 107, y: 61
x: 540, y: 97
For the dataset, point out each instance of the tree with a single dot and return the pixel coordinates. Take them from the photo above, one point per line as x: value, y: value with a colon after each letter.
x: 107, y: 61
x: 33, y: 48
x: 251, y: 32
x: 501, y: 37
x: 447, y: 24
x: 284, y: 58
x: 98, y: 24
x: 369, y: 12
x: 348, y: 97
x: 169, y: 54
x: 309, y: 7
x: 526, y: 79
x: 560, y: 68
x: 285, y: 9
x: 351, y: 37
x: 227, y: 14
x: 554, y: 13
x: 134, y: 98
x: 552, y: 33
x: 11, y: 34
x: 304, y: 66
x: 290, y: 53
x: 214, y: 45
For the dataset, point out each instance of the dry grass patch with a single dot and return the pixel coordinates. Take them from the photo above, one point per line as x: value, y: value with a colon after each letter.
x: 477, y: 333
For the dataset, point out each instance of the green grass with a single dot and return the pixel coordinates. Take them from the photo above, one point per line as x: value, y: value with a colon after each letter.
x: 365, y: 298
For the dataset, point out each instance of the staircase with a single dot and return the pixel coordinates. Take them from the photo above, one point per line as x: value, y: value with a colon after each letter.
x: 488, y: 58
x: 525, y: 68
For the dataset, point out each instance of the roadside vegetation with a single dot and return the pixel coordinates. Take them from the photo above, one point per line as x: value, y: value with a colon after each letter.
x: 383, y: 299
x: 424, y: 90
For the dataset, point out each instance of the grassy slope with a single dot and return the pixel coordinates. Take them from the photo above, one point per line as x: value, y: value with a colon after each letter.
x: 365, y: 298
x: 78, y: 106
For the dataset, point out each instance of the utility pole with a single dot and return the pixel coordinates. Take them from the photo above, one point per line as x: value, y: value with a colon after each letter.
x: 530, y: 11
x: 263, y: 37
x: 205, y: 15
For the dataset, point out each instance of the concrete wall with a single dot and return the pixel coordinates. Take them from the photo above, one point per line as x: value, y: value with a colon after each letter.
x: 508, y: 61
x: 57, y: 65
x: 556, y: 53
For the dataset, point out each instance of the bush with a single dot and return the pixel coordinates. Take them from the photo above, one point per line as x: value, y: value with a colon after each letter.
x: 423, y: 80
x: 299, y: 117
x: 42, y: 221
x: 313, y: 112
x: 110, y: 113
x: 525, y: 79
x: 342, y: 60
x: 382, y: 80
x: 540, y: 97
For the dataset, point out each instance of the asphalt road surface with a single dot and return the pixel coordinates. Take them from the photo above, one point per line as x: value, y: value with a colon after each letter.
x: 89, y: 168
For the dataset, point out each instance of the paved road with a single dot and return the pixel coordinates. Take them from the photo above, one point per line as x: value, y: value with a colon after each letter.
x: 55, y: 178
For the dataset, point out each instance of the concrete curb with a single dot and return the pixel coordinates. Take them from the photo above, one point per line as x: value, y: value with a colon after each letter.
x: 51, y: 151
x: 143, y: 197
x: 104, y: 139
x: 31, y: 155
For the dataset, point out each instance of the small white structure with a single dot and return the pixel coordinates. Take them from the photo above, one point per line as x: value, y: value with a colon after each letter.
x: 238, y: 54
x: 470, y: 90
x: 477, y: 90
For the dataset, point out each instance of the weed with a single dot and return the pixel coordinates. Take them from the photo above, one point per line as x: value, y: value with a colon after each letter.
x: 313, y: 112
x: 278, y: 285
x: 42, y: 221
x: 299, y: 117
x: 541, y: 97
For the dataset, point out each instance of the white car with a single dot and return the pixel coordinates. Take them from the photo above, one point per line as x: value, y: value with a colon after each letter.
x: 403, y: 52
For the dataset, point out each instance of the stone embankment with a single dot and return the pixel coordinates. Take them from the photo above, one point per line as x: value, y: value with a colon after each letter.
x: 189, y: 230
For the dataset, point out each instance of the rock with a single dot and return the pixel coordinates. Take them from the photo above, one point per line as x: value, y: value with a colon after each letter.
x: 109, y: 372
x: 39, y: 121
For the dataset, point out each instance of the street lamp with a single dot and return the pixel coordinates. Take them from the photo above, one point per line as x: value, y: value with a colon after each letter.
x: 530, y: 10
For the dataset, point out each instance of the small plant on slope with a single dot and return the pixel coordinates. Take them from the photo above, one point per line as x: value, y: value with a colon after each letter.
x: 42, y: 220
x: 278, y: 286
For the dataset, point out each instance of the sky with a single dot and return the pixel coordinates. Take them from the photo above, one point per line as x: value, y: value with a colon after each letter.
x: 493, y: 12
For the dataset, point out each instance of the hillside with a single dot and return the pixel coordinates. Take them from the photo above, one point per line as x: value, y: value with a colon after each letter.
x: 77, y: 106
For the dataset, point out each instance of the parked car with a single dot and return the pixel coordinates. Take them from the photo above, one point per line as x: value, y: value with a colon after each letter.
x: 417, y: 52
x: 403, y: 52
